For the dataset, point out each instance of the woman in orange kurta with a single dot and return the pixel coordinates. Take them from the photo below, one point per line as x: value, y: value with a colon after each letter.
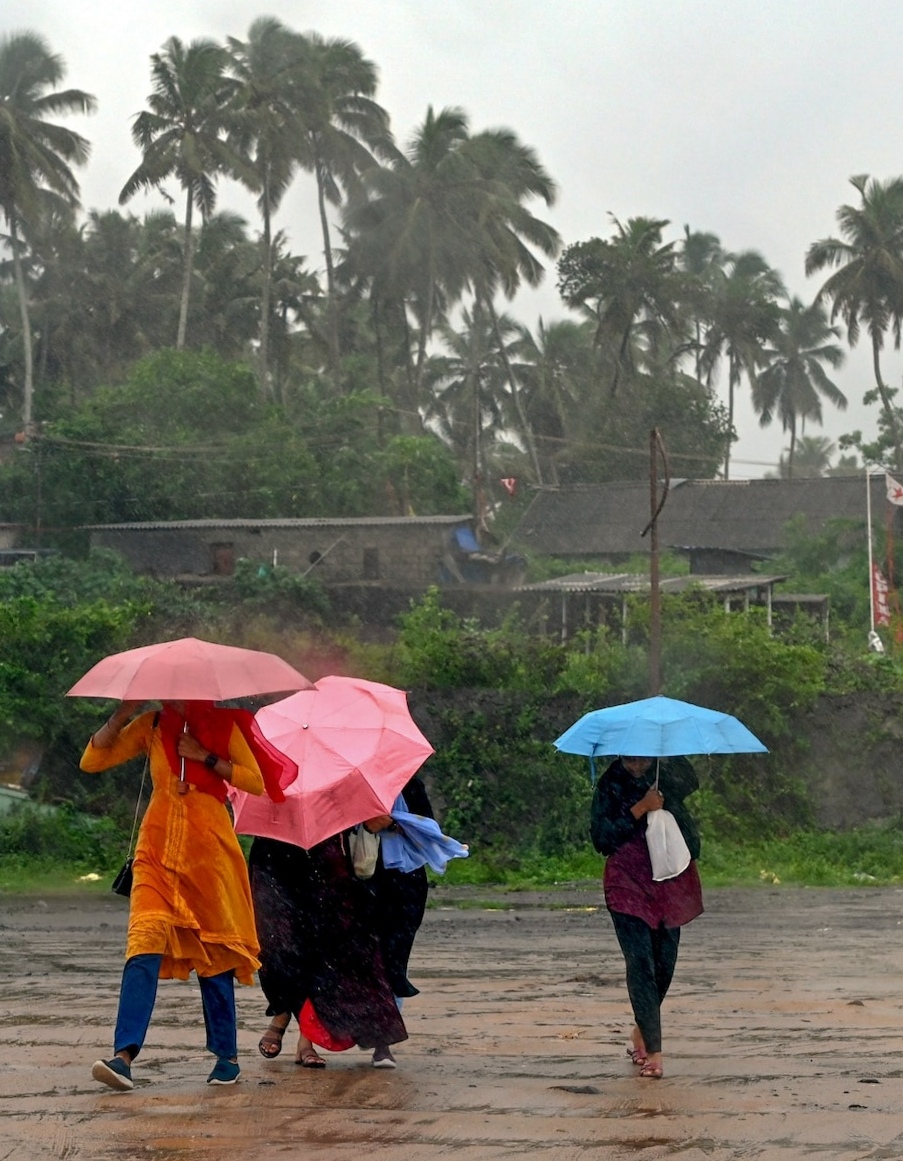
x: 191, y: 903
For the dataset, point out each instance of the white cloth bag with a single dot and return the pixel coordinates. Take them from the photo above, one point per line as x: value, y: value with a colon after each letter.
x: 364, y: 852
x: 668, y: 851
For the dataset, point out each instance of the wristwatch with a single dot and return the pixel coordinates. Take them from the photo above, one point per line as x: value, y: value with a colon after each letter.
x: 210, y: 761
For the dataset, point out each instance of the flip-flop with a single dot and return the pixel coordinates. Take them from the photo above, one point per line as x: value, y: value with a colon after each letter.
x: 310, y: 1058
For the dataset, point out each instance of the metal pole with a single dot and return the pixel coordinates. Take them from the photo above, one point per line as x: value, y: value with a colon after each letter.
x: 868, y: 529
x: 655, y: 599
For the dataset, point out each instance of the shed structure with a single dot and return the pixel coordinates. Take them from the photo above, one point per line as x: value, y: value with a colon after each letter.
x: 586, y: 599
x: 723, y: 525
x: 400, y: 550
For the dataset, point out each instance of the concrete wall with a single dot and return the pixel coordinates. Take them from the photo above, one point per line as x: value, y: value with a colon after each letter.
x: 393, y: 553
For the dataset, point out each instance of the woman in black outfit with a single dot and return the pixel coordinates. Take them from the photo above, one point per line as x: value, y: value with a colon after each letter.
x: 318, y: 943
x: 647, y: 915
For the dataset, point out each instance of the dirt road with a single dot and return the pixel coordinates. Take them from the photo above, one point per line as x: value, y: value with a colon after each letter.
x: 784, y: 1039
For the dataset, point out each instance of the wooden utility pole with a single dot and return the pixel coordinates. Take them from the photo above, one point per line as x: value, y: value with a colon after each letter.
x: 656, y: 503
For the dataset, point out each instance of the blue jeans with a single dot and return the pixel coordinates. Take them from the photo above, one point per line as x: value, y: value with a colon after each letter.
x: 138, y: 994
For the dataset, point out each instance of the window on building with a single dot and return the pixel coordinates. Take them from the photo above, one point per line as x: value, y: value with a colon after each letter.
x: 223, y: 559
x: 371, y: 564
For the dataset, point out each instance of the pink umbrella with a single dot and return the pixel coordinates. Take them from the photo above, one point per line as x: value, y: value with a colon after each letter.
x: 356, y: 746
x: 188, y: 670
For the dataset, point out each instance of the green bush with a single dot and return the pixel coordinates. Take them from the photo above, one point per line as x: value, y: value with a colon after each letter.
x: 35, y: 834
x: 439, y: 650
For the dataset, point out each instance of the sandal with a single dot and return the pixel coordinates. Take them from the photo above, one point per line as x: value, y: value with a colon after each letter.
x: 270, y: 1044
x: 310, y: 1058
x: 651, y: 1071
x: 637, y: 1056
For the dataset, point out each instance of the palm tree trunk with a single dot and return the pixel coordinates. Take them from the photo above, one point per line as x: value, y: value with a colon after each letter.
x: 886, y: 403
x: 426, y: 326
x: 264, y: 353
x: 792, y: 450
x: 28, y: 386
x: 514, y: 388
x: 335, y: 354
x: 733, y: 376
x: 186, y: 273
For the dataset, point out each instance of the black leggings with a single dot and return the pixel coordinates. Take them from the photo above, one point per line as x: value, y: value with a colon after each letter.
x: 650, y: 954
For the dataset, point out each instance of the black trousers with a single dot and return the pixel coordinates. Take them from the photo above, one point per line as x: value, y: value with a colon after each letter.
x: 650, y: 954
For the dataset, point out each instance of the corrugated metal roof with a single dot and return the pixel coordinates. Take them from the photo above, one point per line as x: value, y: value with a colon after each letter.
x: 740, y: 515
x: 624, y: 582
x: 288, y: 522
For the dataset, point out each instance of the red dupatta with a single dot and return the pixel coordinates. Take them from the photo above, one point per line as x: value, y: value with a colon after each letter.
x: 212, y: 726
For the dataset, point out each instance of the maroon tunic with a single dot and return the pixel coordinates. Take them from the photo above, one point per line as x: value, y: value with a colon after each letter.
x: 631, y: 890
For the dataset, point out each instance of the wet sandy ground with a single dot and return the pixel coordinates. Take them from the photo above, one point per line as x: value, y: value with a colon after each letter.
x: 784, y: 1039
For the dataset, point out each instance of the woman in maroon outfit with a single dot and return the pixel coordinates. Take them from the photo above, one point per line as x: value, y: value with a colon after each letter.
x: 647, y: 915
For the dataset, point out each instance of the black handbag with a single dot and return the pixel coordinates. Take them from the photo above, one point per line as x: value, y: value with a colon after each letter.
x: 122, y: 884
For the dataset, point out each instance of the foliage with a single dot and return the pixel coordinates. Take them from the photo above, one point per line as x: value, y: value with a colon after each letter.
x: 734, y: 663
x: 439, y: 650
x: 870, y: 856
x: 277, y: 590
x: 32, y: 835
x: 44, y: 648
x: 502, y: 788
x: 186, y: 436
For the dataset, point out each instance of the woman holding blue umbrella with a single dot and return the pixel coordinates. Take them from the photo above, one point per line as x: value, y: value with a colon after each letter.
x: 647, y: 913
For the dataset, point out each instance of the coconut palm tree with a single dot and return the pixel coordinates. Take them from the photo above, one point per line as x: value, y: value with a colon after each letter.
x: 409, y: 235
x: 36, y: 156
x: 813, y: 458
x: 467, y: 404
x: 183, y: 134
x: 343, y: 131
x: 448, y: 216
x: 702, y: 259
x: 633, y: 286
x: 794, y: 381
x: 508, y: 235
x: 742, y: 316
x: 867, y: 284
x: 267, y: 125
x: 555, y: 368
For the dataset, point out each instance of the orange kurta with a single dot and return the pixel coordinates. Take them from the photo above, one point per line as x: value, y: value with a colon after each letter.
x: 191, y: 900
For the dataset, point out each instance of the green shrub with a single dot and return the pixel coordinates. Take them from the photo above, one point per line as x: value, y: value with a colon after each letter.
x: 30, y: 833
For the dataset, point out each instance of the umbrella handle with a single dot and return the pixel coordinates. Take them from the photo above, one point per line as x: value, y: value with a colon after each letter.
x: 183, y: 784
x: 657, y: 772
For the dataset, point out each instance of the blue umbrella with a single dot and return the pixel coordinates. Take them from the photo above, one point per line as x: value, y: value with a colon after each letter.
x: 658, y: 727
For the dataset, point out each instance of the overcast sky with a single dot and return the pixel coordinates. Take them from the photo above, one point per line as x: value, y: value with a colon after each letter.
x: 745, y: 118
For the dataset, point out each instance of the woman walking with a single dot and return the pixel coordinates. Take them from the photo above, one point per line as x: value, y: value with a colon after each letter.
x: 320, y: 954
x: 190, y: 906
x: 647, y: 914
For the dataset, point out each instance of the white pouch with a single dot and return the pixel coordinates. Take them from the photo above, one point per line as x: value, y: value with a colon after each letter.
x: 364, y: 852
x: 668, y: 851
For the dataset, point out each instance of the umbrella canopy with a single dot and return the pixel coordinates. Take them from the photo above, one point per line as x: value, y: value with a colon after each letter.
x: 356, y: 746
x: 658, y: 727
x: 188, y: 670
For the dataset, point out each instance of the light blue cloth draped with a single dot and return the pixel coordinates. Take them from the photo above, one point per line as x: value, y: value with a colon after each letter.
x: 419, y: 843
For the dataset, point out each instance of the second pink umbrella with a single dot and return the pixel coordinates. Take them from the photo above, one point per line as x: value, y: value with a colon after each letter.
x: 356, y: 746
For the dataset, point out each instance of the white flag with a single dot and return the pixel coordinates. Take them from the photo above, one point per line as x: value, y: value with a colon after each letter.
x: 894, y: 491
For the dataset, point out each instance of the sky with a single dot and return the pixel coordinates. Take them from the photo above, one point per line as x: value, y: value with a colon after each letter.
x: 745, y: 119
